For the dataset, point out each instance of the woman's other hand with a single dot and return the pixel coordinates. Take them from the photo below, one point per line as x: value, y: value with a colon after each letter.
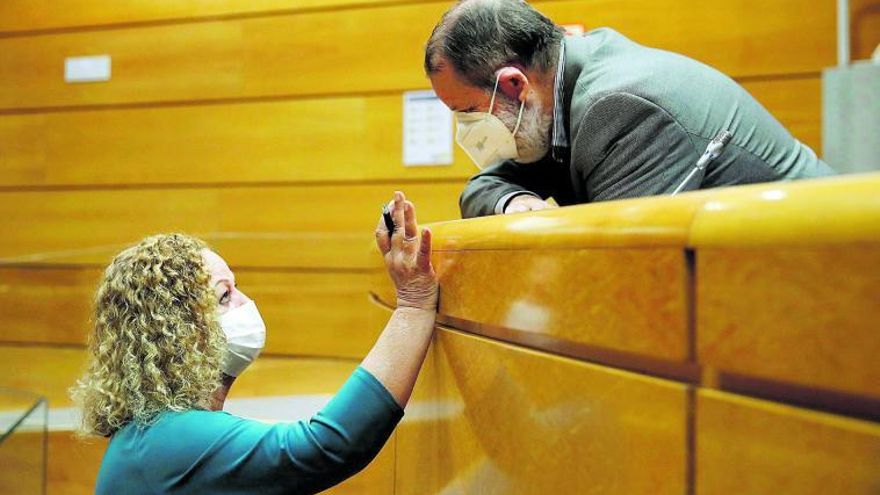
x: 408, y: 256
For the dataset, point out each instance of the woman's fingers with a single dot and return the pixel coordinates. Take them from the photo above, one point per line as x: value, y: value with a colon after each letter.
x: 411, y: 229
x: 382, y: 239
x: 406, y: 230
x: 399, y: 216
x: 424, y: 257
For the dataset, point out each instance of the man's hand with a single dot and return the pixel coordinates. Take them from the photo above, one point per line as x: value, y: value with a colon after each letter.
x: 526, y: 202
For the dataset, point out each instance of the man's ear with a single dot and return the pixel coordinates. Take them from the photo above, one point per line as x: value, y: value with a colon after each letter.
x: 513, y: 83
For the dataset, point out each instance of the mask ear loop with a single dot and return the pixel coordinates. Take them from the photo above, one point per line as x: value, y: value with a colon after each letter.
x: 522, y: 105
x: 494, y: 91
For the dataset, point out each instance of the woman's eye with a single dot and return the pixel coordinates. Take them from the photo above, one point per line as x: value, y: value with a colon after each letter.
x: 225, y: 297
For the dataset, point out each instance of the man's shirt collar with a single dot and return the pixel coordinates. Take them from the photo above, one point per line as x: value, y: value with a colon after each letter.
x: 559, y: 142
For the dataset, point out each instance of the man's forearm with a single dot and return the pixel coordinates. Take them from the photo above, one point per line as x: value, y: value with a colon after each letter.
x: 398, y: 353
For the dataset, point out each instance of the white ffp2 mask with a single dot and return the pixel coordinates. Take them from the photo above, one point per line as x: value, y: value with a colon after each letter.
x: 484, y: 137
x: 245, y: 337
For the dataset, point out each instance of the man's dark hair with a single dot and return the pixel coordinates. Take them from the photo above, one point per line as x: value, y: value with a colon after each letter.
x: 479, y: 36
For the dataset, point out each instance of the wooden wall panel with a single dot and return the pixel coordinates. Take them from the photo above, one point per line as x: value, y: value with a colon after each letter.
x: 53, y: 306
x: 73, y: 463
x: 21, y: 464
x: 314, y: 314
x: 279, y: 55
x: 32, y: 15
x: 224, y: 59
x: 46, y: 305
x: 51, y: 371
x: 487, y: 417
x: 864, y: 28
x: 47, y: 371
x: 803, y: 316
x: 786, y: 282
x: 572, y: 301
x: 747, y: 446
x: 313, y: 140
x: 319, y: 140
x: 283, y: 226
x: 796, y: 103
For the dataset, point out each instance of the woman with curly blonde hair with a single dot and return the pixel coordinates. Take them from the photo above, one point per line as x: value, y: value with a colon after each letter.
x: 171, y: 334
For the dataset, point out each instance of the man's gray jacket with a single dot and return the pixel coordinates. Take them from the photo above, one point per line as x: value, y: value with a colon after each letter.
x: 632, y: 121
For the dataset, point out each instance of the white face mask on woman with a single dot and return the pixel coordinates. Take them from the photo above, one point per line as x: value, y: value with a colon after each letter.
x: 484, y: 137
x: 245, y: 337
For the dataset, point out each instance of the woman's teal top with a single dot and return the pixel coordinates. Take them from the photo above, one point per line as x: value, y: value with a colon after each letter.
x: 218, y: 453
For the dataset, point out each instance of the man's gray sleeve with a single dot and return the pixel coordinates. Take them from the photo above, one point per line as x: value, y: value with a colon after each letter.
x: 484, y: 190
x: 626, y: 147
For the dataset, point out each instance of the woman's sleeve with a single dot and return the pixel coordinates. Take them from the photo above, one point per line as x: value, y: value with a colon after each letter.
x: 234, y: 454
x: 345, y: 435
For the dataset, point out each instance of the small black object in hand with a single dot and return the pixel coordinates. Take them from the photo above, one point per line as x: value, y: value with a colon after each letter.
x: 389, y: 222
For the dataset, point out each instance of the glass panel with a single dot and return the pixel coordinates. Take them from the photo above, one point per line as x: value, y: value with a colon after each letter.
x: 23, y: 442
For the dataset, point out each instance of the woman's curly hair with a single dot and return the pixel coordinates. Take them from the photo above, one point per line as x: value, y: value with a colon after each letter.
x: 157, y: 344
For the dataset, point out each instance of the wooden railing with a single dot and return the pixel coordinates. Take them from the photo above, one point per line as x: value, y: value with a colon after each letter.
x: 723, y: 341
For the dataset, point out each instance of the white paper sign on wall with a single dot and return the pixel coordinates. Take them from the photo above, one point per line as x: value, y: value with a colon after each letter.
x: 94, y: 68
x: 427, y: 130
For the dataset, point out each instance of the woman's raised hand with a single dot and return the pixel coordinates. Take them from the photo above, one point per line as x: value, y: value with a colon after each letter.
x: 408, y: 256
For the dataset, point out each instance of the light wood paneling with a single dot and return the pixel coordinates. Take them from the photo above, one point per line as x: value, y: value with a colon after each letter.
x: 284, y: 226
x: 51, y: 371
x: 47, y: 305
x: 274, y: 376
x: 280, y: 55
x: 787, y: 282
x: 747, y: 446
x: 629, y: 300
x: 314, y: 140
x: 314, y: 314
x: 320, y: 140
x: 21, y: 464
x: 796, y: 103
x: 46, y: 371
x: 73, y: 464
x: 803, y: 316
x: 377, y: 478
x: 30, y: 15
x: 865, y: 28
x: 491, y: 418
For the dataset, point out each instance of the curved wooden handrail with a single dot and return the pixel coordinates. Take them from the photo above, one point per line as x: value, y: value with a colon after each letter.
x: 657, y: 284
